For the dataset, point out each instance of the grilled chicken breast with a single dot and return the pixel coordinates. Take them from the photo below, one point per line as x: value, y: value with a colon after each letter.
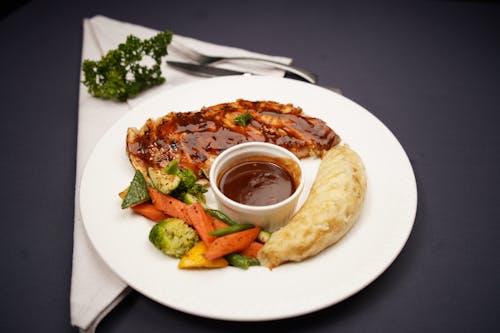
x: 196, y: 138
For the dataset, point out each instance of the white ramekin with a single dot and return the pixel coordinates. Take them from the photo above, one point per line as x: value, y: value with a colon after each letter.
x: 270, y: 217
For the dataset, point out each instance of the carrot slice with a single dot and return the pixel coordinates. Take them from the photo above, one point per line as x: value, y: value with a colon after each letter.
x: 231, y: 243
x: 169, y: 205
x: 148, y: 210
x: 201, y: 222
x: 252, y: 250
x: 218, y: 224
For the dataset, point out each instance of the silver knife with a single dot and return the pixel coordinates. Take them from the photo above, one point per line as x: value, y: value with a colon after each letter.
x: 204, y: 70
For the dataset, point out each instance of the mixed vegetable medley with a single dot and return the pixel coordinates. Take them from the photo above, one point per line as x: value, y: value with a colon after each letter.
x: 186, y: 228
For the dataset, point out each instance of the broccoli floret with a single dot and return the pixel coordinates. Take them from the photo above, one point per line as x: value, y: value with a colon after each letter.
x: 188, y: 184
x: 188, y: 178
x: 173, y: 237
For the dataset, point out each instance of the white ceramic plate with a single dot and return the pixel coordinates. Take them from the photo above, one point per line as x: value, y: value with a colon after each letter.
x: 121, y: 238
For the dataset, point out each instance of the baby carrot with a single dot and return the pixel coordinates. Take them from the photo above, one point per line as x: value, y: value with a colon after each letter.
x: 201, y: 222
x: 148, y: 210
x: 252, y: 250
x: 169, y: 205
x: 231, y: 243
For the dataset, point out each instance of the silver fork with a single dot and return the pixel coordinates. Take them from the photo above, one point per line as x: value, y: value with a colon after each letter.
x: 206, y: 59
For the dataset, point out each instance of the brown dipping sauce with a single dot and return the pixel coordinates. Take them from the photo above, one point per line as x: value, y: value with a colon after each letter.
x: 260, y: 181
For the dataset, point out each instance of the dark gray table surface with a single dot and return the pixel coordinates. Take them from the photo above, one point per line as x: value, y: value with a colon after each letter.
x: 430, y: 70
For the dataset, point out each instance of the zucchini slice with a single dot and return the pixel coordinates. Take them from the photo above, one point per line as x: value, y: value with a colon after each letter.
x: 163, y: 182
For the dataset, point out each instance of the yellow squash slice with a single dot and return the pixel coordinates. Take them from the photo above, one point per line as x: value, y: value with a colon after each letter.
x: 194, y: 258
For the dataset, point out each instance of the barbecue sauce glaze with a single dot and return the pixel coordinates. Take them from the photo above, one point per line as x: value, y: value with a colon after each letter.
x: 196, y: 138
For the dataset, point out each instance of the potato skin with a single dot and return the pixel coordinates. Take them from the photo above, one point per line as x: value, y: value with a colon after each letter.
x: 332, y: 208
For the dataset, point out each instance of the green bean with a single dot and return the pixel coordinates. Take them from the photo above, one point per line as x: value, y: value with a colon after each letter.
x: 263, y: 236
x: 241, y: 261
x: 221, y: 216
x: 231, y: 229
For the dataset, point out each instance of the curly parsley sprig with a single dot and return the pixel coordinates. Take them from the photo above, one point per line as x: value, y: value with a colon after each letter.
x: 123, y: 72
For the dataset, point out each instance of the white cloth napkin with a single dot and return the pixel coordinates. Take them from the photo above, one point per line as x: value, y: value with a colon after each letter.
x: 95, y: 289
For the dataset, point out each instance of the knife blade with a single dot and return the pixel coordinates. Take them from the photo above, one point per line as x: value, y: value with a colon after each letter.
x: 204, y: 70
